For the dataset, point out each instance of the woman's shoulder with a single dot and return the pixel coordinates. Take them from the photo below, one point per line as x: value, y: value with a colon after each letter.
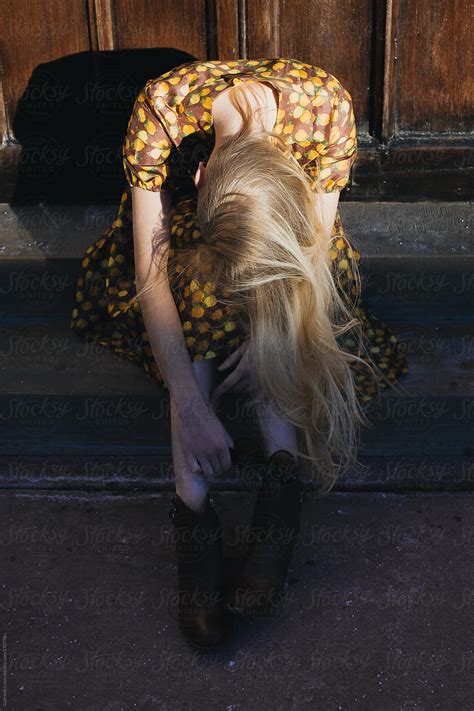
x: 311, y: 76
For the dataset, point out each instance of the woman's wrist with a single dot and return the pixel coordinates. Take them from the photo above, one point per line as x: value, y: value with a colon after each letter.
x: 190, y: 409
x: 187, y: 401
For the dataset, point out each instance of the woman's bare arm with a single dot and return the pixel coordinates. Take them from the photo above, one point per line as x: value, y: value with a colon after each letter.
x: 192, y: 412
x: 151, y: 212
x: 326, y: 208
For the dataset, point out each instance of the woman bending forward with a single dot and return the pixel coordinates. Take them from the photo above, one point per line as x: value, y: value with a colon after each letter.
x: 228, y: 250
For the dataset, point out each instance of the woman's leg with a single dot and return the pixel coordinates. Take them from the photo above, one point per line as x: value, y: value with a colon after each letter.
x: 277, y: 433
x: 192, y: 488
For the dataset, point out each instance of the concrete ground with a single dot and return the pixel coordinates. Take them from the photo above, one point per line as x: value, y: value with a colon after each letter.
x: 378, y: 612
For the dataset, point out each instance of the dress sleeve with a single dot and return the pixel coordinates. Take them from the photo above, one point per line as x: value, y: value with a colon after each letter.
x: 147, y: 145
x: 337, y: 153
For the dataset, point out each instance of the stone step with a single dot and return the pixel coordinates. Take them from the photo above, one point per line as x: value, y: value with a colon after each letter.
x: 154, y: 473
x: 64, y: 397
x: 50, y: 232
x: 417, y: 262
x: 399, y: 289
x: 49, y: 358
x: 57, y: 425
x: 420, y: 289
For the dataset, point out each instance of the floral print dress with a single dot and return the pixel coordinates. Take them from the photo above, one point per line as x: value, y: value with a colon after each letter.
x: 170, y: 130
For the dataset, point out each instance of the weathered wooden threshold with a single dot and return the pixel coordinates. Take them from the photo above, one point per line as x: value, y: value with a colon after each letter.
x: 414, y: 166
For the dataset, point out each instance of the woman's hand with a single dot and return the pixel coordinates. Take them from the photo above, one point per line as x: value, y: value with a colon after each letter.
x: 242, y: 379
x: 204, y: 439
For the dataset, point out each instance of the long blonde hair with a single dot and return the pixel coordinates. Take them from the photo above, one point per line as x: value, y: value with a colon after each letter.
x: 262, y: 241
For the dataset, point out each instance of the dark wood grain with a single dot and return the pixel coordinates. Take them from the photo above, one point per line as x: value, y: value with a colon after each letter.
x: 434, y: 77
x: 226, y: 28
x: 101, y: 23
x: 178, y: 25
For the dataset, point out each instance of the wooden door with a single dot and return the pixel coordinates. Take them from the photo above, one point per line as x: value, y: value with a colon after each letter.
x: 70, y: 72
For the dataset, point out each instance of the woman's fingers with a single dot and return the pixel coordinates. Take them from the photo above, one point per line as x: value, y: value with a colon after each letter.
x: 232, y: 358
x: 225, y: 461
x: 215, y: 395
x: 242, y: 386
x: 207, y: 468
x: 226, y: 385
x: 194, y: 466
x: 240, y: 381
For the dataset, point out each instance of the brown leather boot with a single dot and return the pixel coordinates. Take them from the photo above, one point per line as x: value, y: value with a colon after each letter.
x: 261, y: 582
x: 201, y: 615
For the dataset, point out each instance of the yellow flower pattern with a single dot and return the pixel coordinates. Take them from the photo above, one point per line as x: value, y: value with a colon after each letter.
x: 316, y: 117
